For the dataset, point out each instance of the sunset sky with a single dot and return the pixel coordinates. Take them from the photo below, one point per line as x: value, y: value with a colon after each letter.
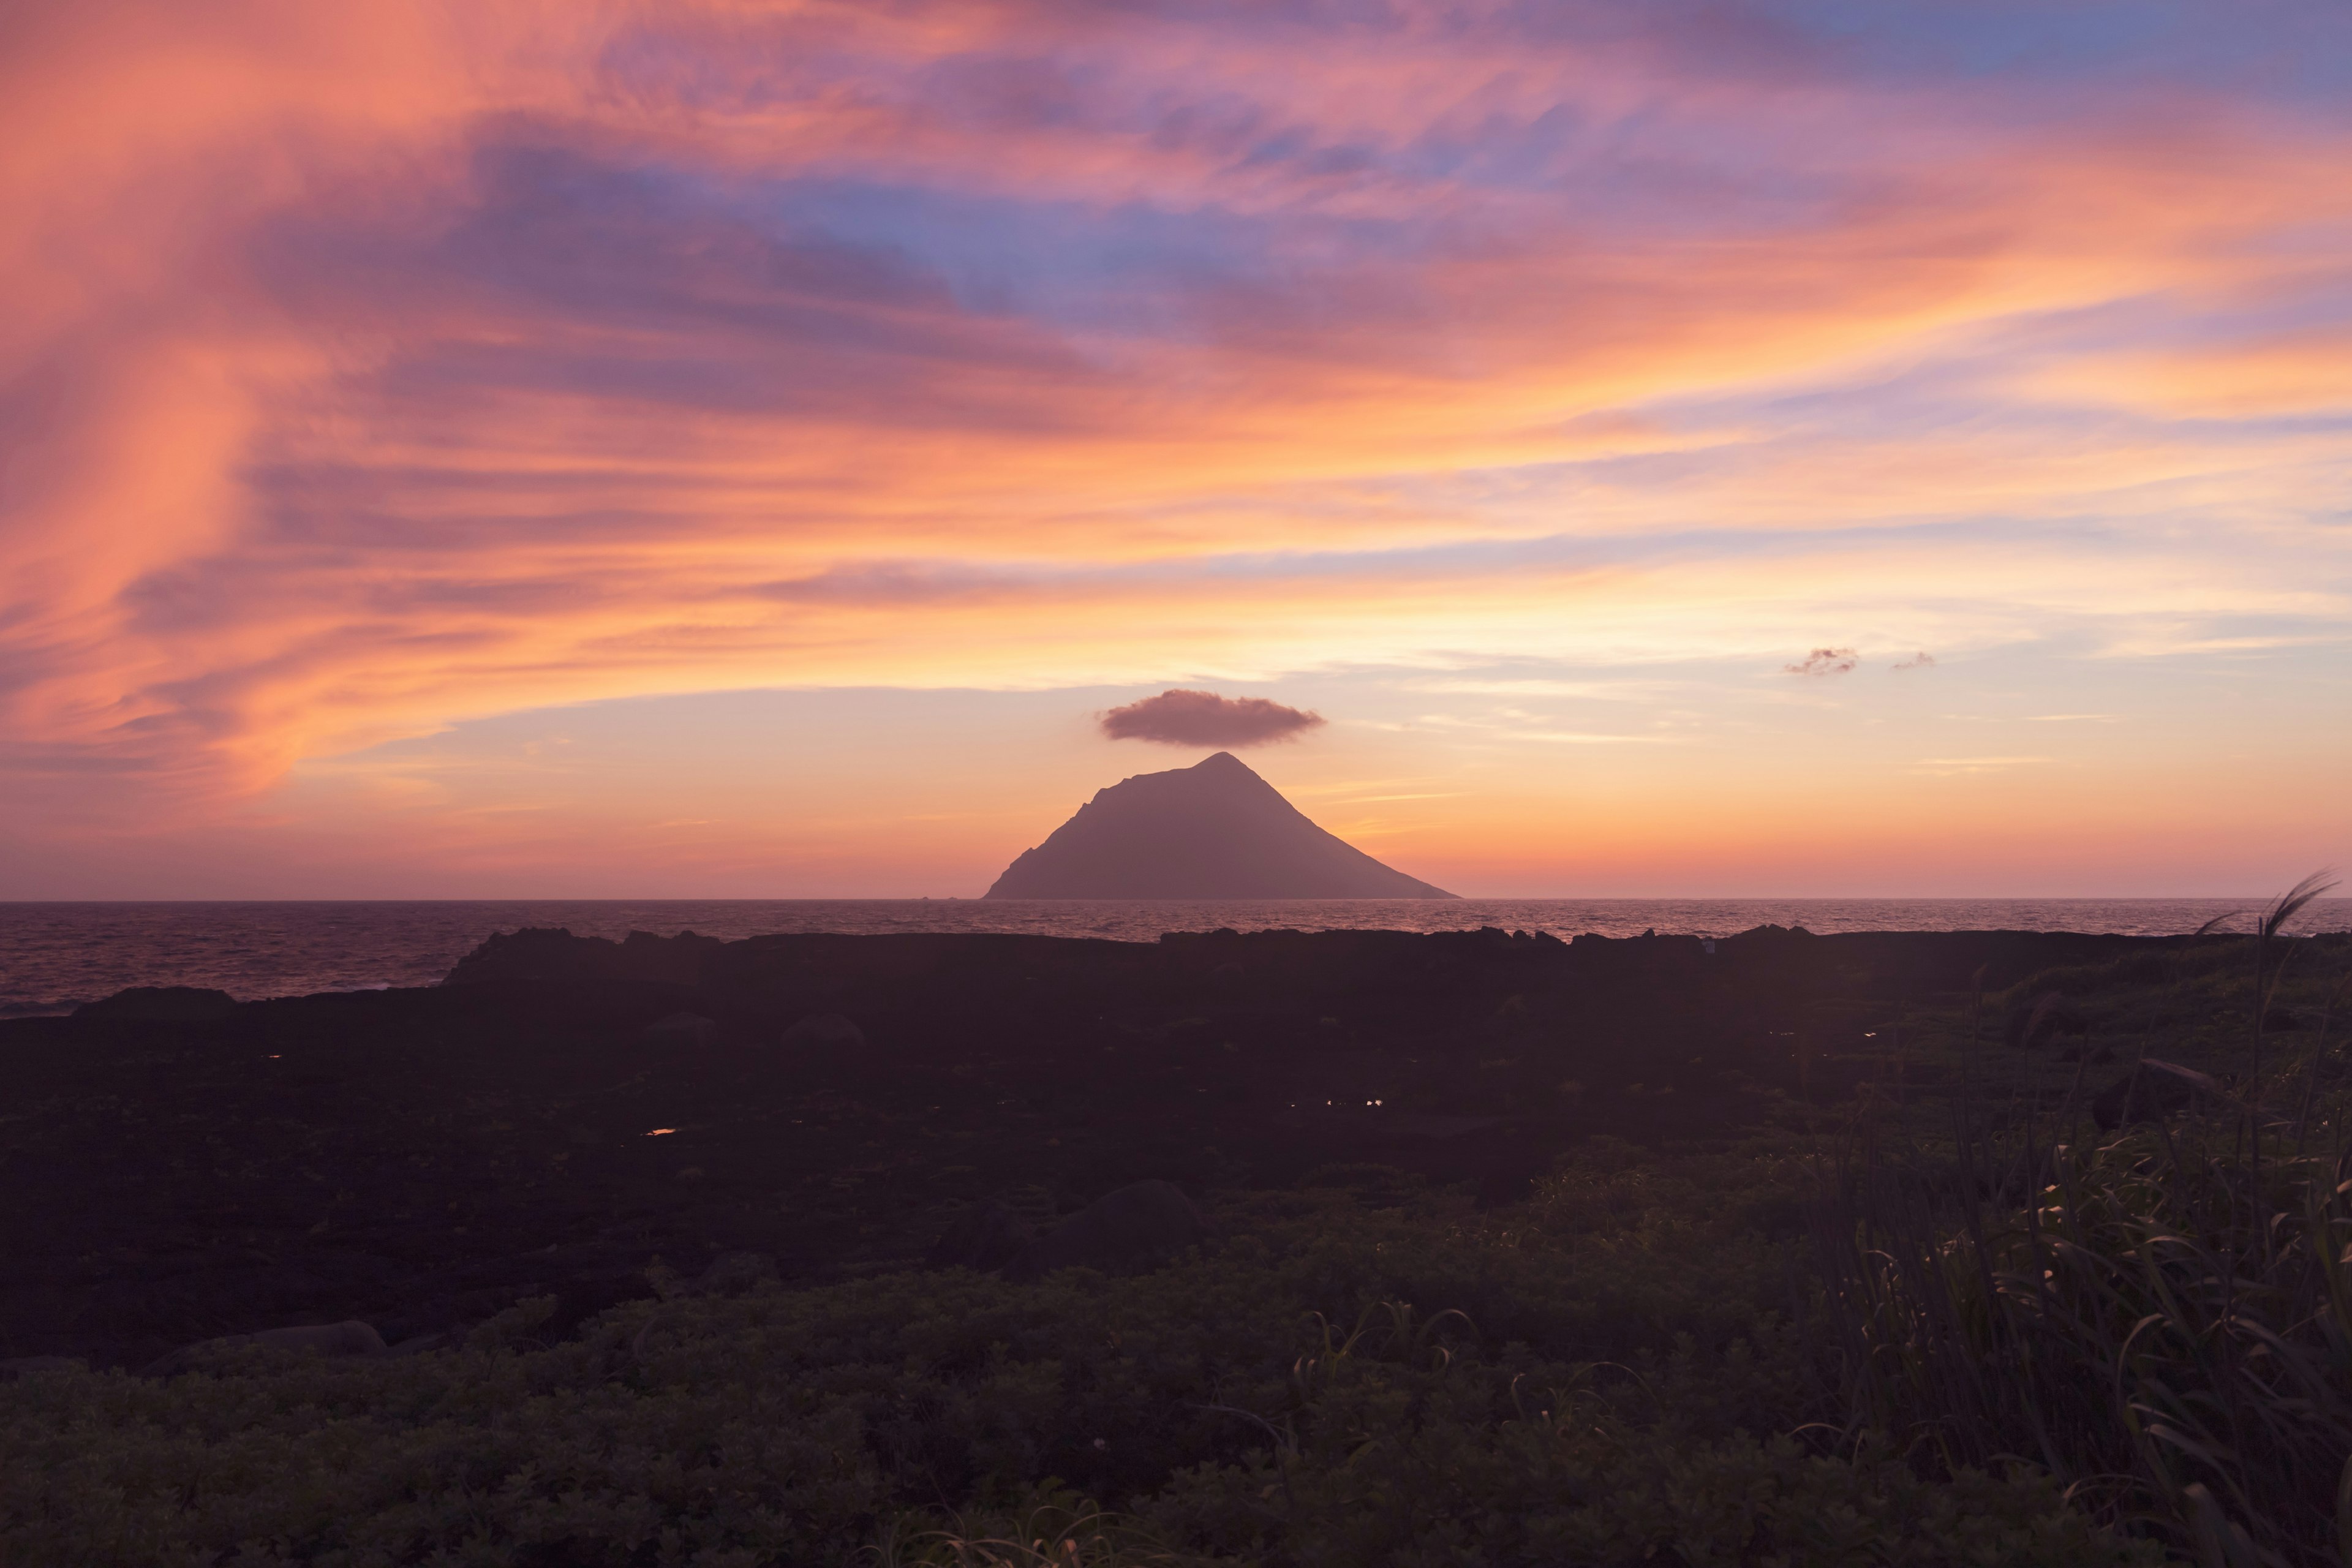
x: 710, y: 450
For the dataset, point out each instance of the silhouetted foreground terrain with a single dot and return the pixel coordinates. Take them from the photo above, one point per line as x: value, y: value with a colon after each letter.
x: 667, y: 1202
x: 411, y: 1156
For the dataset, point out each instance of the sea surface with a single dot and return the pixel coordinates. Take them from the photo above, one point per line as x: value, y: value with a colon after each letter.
x: 54, y: 956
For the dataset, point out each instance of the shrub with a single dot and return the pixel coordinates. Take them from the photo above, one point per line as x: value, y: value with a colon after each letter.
x: 1417, y: 1385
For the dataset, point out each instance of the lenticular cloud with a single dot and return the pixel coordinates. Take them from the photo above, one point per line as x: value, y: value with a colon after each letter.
x: 1181, y: 718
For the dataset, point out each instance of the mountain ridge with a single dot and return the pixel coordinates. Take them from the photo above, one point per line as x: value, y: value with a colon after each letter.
x: 1215, y: 830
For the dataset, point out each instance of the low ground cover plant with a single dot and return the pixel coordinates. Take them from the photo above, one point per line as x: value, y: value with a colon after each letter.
x: 1599, y: 1397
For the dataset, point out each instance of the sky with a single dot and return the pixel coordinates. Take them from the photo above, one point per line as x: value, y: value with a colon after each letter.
x: 1810, y: 447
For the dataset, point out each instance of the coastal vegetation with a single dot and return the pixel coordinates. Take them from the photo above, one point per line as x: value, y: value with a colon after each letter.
x: 1912, y: 1304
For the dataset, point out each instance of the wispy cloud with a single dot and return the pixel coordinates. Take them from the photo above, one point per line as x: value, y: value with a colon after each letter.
x: 1974, y: 764
x: 1825, y: 662
x: 371, y: 369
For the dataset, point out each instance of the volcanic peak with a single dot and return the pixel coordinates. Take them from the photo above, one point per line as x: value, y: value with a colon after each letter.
x: 1215, y: 830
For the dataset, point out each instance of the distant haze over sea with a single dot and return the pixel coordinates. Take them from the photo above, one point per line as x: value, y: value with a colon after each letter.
x: 54, y: 956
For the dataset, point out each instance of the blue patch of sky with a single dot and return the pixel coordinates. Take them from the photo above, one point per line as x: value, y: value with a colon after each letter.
x: 2294, y: 47
x: 1082, y: 267
x: 1142, y: 264
x: 1988, y: 36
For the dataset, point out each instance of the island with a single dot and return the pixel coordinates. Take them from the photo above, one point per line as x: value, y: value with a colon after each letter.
x: 1215, y: 830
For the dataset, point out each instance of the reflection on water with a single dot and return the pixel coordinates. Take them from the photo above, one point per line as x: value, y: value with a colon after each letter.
x: 54, y: 955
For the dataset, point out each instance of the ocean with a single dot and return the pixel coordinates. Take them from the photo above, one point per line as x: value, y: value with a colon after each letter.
x: 54, y: 956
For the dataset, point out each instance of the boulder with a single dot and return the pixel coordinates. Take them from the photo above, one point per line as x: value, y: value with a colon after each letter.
x: 14, y: 1367
x: 2049, y: 1016
x: 682, y: 1028
x: 161, y: 1005
x: 986, y: 1235
x: 826, y: 1029
x: 733, y: 1273
x: 1126, y: 1229
x: 338, y: 1340
x: 2153, y: 1090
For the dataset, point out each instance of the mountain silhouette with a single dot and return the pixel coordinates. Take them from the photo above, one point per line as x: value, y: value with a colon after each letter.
x: 1215, y: 830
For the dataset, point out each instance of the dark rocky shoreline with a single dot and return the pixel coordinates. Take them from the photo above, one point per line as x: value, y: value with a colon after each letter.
x: 421, y: 1159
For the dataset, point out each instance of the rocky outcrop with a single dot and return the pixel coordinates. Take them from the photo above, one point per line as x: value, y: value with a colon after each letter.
x: 1131, y: 1228
x: 986, y: 1235
x: 161, y: 1005
x: 682, y: 1029
x: 2044, y: 1020
x: 335, y: 1340
x: 540, y: 954
x: 1215, y: 830
x: 733, y: 1273
x: 20, y: 1366
x: 826, y: 1029
x: 2154, y: 1090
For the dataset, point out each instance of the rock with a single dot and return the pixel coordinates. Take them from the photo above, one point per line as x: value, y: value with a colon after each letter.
x: 161, y: 1005
x: 586, y: 1297
x: 826, y: 1029
x: 352, y: 1338
x: 1121, y: 1230
x: 540, y: 955
x: 2050, y: 1016
x: 14, y: 1367
x: 675, y: 961
x: 534, y: 953
x: 682, y: 1028
x: 733, y: 1273
x: 986, y: 1235
x: 2153, y: 1090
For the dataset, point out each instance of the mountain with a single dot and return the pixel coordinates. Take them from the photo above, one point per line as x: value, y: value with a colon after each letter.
x: 1215, y: 830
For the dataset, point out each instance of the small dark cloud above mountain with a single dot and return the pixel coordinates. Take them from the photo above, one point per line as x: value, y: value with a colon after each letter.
x: 1178, y: 717
x: 1918, y: 661
x: 1825, y: 662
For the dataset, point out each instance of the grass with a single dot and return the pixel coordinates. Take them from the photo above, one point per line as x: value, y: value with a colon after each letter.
x: 1057, y: 1530
x: 2162, y: 1322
